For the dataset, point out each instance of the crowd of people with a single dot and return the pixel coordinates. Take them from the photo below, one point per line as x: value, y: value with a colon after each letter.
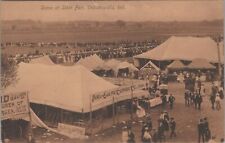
x: 149, y: 134
x: 194, y: 94
x: 75, y: 51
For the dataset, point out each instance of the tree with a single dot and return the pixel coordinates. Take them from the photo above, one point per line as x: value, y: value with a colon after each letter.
x: 8, y: 71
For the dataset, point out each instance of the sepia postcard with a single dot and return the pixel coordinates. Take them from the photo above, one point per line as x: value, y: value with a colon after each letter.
x: 112, y: 71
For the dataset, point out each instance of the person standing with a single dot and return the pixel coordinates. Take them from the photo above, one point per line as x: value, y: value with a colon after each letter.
x: 147, y: 136
x: 161, y: 130
x: 124, y: 135
x: 217, y: 100
x: 186, y: 98
x: 164, y: 101
x: 131, y: 137
x: 213, y: 100
x: 195, y: 100
x: 199, y: 101
x: 201, y: 131
x: 171, y: 100
x: 207, y: 132
x: 172, y: 127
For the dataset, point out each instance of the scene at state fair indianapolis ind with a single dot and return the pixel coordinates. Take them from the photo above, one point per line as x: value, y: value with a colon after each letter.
x: 112, y: 72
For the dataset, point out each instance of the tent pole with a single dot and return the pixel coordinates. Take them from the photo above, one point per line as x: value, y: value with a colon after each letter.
x: 90, y: 113
x: 30, y: 132
x: 46, y: 112
x: 61, y: 115
x: 113, y: 110
x: 218, y: 52
x: 132, y: 109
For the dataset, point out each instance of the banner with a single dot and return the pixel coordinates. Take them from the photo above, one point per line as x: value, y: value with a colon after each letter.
x: 108, y: 95
x: 14, y: 106
x: 71, y: 131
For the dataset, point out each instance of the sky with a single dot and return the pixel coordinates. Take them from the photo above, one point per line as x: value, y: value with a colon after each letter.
x: 173, y: 10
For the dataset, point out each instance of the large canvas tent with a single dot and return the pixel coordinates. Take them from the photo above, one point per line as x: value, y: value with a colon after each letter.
x: 200, y: 64
x: 91, y: 62
x: 69, y: 88
x: 64, y: 87
x: 184, y: 48
x: 42, y: 60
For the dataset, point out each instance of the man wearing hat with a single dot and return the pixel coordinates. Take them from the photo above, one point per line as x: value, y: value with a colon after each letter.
x: 171, y: 100
x: 207, y: 132
x: 201, y: 131
x: 172, y: 127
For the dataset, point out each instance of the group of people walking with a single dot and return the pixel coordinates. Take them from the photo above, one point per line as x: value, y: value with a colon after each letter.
x: 150, y: 134
x: 167, y: 125
x: 193, y: 98
x: 216, y: 97
x: 204, y: 133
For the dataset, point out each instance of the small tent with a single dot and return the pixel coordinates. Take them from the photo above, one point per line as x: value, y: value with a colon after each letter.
x: 176, y: 65
x: 91, y: 62
x: 200, y: 64
x: 42, y: 60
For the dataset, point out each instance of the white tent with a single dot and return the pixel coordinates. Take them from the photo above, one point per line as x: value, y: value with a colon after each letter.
x: 68, y: 87
x: 116, y: 65
x: 124, y: 65
x: 112, y: 63
x: 150, y: 65
x: 200, y: 64
x: 176, y: 65
x: 91, y: 62
x: 184, y: 48
x: 60, y: 86
x: 42, y: 60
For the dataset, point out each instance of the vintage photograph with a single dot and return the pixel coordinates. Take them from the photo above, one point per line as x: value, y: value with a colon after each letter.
x: 112, y: 71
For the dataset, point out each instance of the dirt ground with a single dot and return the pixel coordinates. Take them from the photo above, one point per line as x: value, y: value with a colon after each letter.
x: 186, y: 117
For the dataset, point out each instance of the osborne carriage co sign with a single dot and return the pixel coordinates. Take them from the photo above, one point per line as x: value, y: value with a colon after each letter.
x: 14, y: 106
